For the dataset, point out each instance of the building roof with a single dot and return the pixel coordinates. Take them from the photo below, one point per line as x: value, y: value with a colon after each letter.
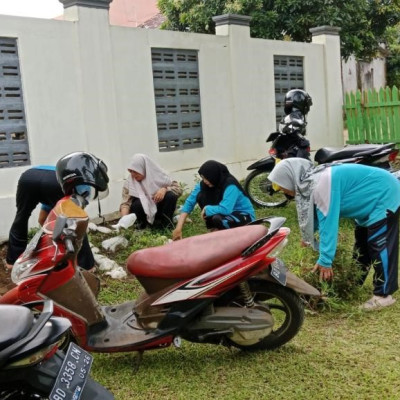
x: 135, y: 13
x: 154, y: 22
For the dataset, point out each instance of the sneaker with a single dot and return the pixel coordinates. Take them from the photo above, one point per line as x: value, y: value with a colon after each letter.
x: 378, y: 302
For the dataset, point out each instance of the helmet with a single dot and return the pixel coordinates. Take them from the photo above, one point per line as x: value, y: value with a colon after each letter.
x: 81, y: 170
x: 297, y: 99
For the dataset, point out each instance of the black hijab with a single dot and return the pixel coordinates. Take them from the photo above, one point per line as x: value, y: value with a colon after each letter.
x: 217, y: 174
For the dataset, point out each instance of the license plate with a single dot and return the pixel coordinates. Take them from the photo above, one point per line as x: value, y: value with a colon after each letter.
x: 73, y: 374
x: 278, y: 271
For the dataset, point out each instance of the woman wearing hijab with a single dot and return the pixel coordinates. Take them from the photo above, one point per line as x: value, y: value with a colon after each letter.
x: 368, y: 195
x: 221, y: 199
x: 149, y: 192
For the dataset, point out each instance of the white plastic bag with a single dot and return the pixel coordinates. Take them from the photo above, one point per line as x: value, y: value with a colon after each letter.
x: 114, y: 243
x: 117, y: 273
x: 125, y: 222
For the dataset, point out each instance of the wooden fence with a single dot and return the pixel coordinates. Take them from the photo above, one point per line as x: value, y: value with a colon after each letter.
x: 373, y: 117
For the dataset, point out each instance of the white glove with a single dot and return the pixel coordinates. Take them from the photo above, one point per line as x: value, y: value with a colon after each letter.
x: 125, y: 222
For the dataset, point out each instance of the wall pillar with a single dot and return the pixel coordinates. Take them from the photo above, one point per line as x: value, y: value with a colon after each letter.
x: 98, y: 111
x: 228, y: 24
x: 328, y: 36
x: 244, y: 88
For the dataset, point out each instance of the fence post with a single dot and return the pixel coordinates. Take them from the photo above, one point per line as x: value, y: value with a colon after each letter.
x: 328, y: 36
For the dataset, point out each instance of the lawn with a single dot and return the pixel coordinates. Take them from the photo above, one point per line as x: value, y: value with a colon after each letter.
x: 341, y: 352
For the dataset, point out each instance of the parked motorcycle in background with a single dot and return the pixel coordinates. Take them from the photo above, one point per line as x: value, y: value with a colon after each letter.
x: 289, y: 141
x: 32, y: 367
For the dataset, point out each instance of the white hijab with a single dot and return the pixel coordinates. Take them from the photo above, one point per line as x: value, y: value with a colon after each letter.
x: 155, y: 178
x: 300, y: 175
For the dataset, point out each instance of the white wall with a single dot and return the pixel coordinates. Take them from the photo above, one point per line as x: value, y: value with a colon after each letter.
x: 372, y: 75
x: 88, y: 86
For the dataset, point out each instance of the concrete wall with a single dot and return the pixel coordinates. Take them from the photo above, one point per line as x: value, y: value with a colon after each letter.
x: 362, y: 75
x: 88, y: 86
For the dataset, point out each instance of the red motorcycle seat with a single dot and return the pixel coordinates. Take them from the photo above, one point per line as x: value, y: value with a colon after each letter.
x: 195, y: 255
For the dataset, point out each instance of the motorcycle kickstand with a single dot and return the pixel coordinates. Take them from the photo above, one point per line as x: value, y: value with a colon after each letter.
x: 137, y: 361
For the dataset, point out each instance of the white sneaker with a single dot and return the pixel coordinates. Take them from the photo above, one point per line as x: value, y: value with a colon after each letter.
x: 378, y: 302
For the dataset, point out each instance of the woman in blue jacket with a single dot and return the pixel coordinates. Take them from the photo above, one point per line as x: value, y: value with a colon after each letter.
x: 221, y: 199
x: 368, y: 195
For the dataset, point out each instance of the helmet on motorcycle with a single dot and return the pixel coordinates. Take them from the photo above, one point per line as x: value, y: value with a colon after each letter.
x: 297, y: 99
x: 79, y: 172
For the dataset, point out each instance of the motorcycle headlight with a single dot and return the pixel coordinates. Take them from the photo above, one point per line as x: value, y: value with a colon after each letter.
x: 21, y: 267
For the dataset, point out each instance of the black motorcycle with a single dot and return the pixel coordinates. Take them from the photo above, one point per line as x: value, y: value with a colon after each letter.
x: 32, y: 367
x: 289, y: 141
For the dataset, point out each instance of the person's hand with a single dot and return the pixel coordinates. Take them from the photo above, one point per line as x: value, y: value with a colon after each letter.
x: 177, y: 234
x: 304, y: 244
x: 159, y: 195
x: 203, y: 213
x: 325, y: 274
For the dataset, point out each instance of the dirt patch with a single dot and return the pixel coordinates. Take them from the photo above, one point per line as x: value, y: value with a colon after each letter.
x: 5, y: 274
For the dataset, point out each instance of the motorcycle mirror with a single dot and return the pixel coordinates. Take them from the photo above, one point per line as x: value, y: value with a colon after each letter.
x: 59, y: 226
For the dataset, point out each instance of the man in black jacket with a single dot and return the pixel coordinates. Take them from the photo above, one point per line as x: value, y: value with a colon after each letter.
x: 38, y: 185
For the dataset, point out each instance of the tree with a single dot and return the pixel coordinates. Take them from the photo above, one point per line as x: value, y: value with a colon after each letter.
x: 363, y: 23
x: 393, y: 56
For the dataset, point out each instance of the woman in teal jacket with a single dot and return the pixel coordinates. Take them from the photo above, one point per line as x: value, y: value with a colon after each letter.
x: 368, y: 195
x: 221, y: 198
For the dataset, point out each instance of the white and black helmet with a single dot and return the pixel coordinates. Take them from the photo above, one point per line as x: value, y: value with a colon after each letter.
x: 79, y: 170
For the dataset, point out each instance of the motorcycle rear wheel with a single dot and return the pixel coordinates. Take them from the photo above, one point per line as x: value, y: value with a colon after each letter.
x: 260, y: 190
x: 285, y: 306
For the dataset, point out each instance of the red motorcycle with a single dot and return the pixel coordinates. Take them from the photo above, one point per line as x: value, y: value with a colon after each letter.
x: 226, y: 287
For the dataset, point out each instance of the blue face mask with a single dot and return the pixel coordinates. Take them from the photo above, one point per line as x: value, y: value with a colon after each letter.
x: 83, y: 190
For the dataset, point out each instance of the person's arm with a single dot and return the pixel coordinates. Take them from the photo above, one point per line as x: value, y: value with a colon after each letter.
x: 177, y: 232
x: 43, y: 213
x: 187, y: 208
x: 42, y: 216
x: 328, y: 231
x: 226, y: 205
x: 126, y: 202
x: 159, y: 195
x: 175, y: 188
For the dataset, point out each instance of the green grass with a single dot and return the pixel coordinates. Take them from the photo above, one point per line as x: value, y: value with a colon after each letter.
x: 340, y: 353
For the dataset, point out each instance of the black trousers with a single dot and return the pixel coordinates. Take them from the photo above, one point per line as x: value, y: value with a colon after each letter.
x: 219, y: 221
x: 378, y: 245
x: 37, y: 186
x: 164, y: 215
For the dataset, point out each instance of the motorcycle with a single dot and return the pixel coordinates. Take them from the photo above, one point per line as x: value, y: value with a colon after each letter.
x: 226, y: 287
x: 32, y: 367
x: 289, y: 141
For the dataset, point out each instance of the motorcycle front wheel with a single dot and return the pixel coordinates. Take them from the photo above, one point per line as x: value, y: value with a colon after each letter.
x: 283, y: 303
x: 260, y: 190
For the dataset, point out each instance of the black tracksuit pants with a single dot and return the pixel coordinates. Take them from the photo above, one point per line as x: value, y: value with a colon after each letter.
x: 378, y: 245
x: 164, y: 215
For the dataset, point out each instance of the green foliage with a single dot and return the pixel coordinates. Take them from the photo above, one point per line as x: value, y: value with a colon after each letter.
x: 363, y: 23
x: 393, y: 56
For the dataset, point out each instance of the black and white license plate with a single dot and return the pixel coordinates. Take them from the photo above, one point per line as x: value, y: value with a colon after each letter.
x: 278, y: 271
x: 73, y: 374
